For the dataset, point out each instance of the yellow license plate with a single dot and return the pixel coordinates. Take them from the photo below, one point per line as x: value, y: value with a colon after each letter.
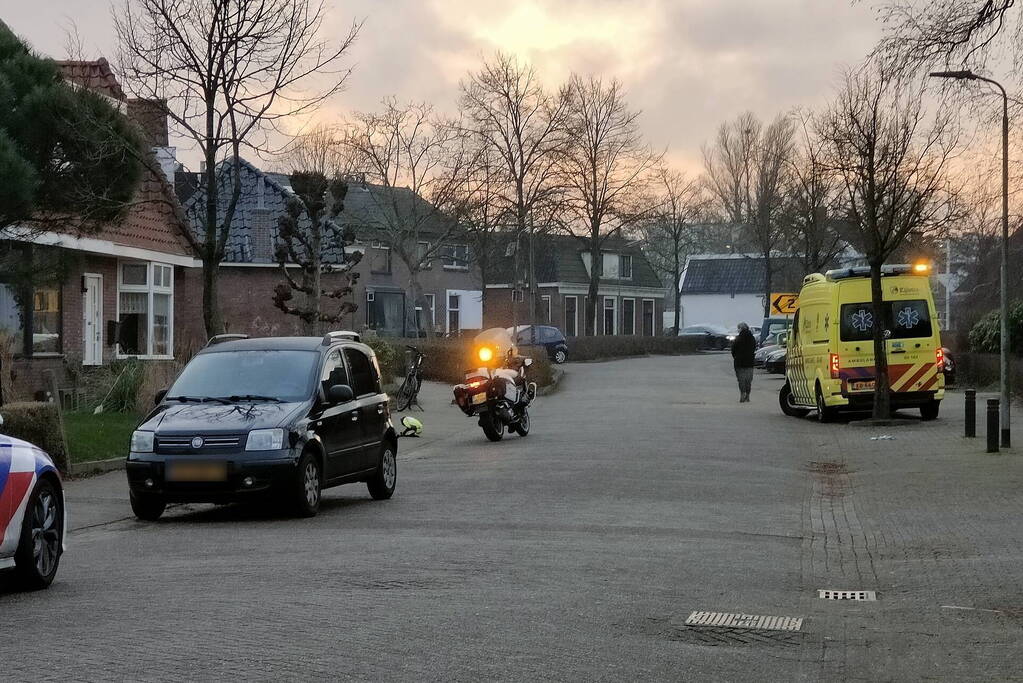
x: 196, y: 471
x: 479, y: 398
x: 865, y: 385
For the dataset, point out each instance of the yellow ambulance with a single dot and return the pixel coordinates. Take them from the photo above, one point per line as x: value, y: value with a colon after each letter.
x: 830, y: 361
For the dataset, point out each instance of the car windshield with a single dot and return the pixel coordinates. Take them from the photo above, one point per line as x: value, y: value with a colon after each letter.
x: 247, y: 375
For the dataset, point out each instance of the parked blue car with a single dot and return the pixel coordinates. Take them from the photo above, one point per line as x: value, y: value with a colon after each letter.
x: 546, y: 336
x: 33, y: 523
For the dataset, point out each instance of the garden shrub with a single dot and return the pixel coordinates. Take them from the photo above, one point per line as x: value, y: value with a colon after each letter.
x: 40, y: 424
x: 985, y: 336
x: 156, y: 376
x: 6, y: 366
x: 386, y: 357
x: 448, y: 359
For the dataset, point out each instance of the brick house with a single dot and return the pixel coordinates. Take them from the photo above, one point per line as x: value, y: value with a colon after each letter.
x: 631, y: 295
x: 250, y: 271
x: 119, y: 294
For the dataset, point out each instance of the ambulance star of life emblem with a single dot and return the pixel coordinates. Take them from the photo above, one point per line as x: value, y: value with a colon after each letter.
x: 197, y: 442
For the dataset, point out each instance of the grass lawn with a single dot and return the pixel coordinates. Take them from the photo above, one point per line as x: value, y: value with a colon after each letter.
x: 98, y: 437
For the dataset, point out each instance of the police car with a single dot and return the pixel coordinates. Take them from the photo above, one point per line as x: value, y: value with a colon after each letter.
x: 32, y: 513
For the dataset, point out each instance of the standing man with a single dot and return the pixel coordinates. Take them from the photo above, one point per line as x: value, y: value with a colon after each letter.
x: 743, y: 349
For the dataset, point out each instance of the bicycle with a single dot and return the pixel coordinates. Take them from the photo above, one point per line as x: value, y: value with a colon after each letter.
x: 408, y: 394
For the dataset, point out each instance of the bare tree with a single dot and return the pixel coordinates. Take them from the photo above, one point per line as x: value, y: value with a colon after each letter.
x: 523, y: 124
x: 323, y: 150
x: 419, y: 164
x: 746, y: 169
x: 672, y: 233
x: 811, y: 197
x: 607, y: 166
x: 892, y: 162
x: 311, y: 242
x: 228, y: 71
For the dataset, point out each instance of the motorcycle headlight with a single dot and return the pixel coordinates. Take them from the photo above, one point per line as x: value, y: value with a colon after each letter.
x: 265, y: 440
x: 142, y: 442
x: 486, y: 354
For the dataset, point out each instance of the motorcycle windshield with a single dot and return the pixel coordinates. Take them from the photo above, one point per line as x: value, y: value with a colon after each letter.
x: 496, y: 338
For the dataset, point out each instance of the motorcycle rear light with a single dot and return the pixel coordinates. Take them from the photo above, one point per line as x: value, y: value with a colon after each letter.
x: 833, y: 363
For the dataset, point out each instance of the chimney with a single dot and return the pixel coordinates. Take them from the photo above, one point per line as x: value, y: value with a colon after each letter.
x: 151, y: 118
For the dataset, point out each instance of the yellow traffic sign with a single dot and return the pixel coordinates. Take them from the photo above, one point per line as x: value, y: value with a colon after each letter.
x: 784, y: 303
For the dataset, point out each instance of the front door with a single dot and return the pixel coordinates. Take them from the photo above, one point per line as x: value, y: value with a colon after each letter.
x: 372, y: 404
x: 92, y: 324
x: 338, y: 425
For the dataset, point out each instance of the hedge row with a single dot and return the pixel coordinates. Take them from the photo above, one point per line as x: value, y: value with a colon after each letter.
x: 40, y: 425
x: 446, y: 359
x: 981, y: 371
x: 604, y: 348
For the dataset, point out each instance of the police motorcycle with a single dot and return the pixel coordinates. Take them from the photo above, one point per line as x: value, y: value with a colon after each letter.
x: 497, y: 391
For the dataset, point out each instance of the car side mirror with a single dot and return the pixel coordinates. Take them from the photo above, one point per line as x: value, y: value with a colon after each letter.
x: 340, y: 393
x: 159, y: 396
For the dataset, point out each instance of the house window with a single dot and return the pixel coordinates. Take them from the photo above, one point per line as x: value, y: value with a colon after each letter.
x: 422, y: 251
x: 379, y: 259
x: 36, y: 331
x: 517, y: 295
x: 628, y: 316
x: 545, y: 308
x: 571, y: 316
x: 429, y: 318
x: 625, y: 266
x: 145, y: 305
x: 648, y: 317
x: 385, y: 313
x: 609, y: 315
x: 454, y: 320
x: 455, y: 256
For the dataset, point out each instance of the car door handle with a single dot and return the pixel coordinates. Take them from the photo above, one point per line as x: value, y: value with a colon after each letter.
x: 380, y: 410
x: 355, y: 417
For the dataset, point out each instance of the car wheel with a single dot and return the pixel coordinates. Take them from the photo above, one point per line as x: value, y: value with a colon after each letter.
x: 42, y: 537
x: 381, y: 485
x: 787, y: 401
x: 824, y: 413
x: 929, y: 411
x: 146, y: 508
x: 522, y: 426
x: 308, y: 486
x: 560, y: 356
x: 492, y: 425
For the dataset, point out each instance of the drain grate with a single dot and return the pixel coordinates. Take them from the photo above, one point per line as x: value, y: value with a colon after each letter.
x: 744, y: 621
x: 868, y: 596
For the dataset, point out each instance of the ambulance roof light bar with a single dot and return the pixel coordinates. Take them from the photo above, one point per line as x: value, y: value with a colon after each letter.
x: 864, y: 271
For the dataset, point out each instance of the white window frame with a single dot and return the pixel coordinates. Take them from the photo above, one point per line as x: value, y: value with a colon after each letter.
x: 518, y: 296
x: 422, y: 249
x: 575, y: 314
x: 150, y: 288
x: 633, y: 300
x: 614, y: 316
x: 454, y: 266
x: 448, y: 310
x: 621, y: 259
x: 432, y: 299
x: 545, y: 301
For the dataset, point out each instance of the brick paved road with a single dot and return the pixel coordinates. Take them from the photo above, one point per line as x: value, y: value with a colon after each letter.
x: 644, y: 492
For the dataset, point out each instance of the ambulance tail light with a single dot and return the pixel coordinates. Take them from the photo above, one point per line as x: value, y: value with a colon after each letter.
x: 939, y: 358
x: 833, y: 364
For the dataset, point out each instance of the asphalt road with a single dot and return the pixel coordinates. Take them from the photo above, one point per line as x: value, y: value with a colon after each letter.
x: 645, y: 492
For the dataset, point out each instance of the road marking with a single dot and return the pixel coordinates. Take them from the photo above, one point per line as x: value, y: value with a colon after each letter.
x: 745, y: 621
x: 868, y: 596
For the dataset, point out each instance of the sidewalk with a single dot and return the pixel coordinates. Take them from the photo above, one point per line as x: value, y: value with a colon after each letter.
x: 103, y: 498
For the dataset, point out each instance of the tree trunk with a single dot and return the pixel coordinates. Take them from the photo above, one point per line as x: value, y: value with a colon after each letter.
x: 313, y: 297
x: 767, y: 285
x: 210, y: 291
x: 882, y: 394
x: 596, y: 268
x: 676, y: 275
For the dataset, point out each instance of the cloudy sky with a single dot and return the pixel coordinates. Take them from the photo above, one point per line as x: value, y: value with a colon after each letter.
x: 688, y: 65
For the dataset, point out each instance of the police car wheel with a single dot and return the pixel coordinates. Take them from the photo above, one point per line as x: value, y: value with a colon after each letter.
x: 788, y: 407
x: 42, y: 537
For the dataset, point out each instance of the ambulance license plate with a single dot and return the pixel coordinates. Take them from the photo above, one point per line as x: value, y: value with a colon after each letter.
x: 862, y: 385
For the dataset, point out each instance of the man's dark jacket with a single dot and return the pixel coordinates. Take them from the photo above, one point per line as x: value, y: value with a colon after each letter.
x: 743, y: 348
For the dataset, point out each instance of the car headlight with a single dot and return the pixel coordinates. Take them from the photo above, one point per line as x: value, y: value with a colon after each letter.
x: 142, y: 442
x: 265, y: 440
x: 731, y: 337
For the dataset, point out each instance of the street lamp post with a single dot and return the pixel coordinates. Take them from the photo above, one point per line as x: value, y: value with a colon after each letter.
x: 1004, y: 315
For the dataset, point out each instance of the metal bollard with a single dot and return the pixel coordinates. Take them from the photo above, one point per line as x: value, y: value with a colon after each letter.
x: 992, y: 425
x: 971, y: 413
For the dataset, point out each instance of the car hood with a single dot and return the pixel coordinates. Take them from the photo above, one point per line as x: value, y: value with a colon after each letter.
x: 213, y: 418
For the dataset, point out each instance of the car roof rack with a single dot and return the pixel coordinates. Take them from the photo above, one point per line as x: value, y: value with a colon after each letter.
x: 341, y: 335
x: 220, y: 338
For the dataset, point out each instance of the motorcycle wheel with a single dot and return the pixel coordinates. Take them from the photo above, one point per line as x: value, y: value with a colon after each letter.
x: 492, y: 425
x: 522, y: 426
